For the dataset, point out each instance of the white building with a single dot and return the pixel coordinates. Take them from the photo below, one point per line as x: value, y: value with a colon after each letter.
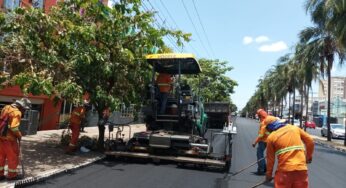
x: 338, y: 88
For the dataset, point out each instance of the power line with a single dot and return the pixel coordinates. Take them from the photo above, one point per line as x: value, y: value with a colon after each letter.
x: 169, y: 14
x: 176, y: 26
x: 194, y: 26
x: 170, y: 38
x: 174, y: 45
x: 205, y: 33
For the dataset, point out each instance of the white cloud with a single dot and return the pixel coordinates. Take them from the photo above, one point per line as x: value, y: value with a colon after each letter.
x: 261, y: 39
x: 274, y: 47
x: 247, y: 40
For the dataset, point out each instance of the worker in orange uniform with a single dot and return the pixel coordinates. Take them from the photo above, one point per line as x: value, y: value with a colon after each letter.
x: 9, y: 148
x: 77, y: 115
x: 287, y: 143
x: 261, y: 140
x: 164, y: 82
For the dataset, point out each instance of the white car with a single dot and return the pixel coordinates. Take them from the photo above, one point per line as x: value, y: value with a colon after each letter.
x: 296, y: 122
x: 337, y: 130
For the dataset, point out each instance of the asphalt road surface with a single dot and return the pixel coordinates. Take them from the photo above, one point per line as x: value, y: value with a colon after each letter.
x: 328, y: 169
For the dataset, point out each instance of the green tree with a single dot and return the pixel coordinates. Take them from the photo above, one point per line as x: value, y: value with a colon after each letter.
x: 331, y: 14
x: 84, y: 46
x: 213, y: 84
x: 323, y: 44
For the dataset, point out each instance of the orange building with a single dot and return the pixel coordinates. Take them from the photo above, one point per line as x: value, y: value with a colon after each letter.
x: 45, y: 4
x: 49, y: 112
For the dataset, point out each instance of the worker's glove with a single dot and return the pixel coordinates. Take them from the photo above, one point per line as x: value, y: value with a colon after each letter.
x: 253, y: 144
x: 269, y: 178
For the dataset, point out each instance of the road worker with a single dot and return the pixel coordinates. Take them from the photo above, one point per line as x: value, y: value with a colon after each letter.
x: 287, y: 143
x: 77, y: 116
x: 261, y: 140
x: 9, y: 140
x: 164, y: 82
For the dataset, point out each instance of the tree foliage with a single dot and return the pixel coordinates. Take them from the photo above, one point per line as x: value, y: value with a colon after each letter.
x: 213, y: 84
x: 82, y: 46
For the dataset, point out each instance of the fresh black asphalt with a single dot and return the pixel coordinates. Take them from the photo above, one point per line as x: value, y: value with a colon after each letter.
x: 328, y: 169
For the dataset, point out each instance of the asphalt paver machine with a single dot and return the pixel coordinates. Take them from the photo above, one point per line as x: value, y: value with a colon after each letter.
x: 179, y: 133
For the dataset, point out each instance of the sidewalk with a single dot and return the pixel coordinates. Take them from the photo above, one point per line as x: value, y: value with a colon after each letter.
x: 43, y: 156
x: 323, y: 141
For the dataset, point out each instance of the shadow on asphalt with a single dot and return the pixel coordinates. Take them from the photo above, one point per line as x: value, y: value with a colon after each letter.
x: 329, y: 151
x: 114, y: 161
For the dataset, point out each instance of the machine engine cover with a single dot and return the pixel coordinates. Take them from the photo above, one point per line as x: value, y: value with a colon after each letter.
x: 160, y: 140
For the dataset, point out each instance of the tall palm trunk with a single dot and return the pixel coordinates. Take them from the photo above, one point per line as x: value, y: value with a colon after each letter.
x: 282, y: 107
x: 293, y: 104
x: 301, y: 107
x: 330, y: 62
x: 306, y: 105
x: 273, y: 109
x: 289, y: 106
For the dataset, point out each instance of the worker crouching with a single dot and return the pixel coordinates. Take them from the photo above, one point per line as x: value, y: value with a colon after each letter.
x: 287, y: 143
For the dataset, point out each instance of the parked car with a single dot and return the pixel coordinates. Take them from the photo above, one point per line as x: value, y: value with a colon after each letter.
x: 310, y: 124
x: 337, y: 130
x: 296, y: 122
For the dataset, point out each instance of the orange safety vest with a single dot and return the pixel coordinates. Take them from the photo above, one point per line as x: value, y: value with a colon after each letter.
x: 287, y: 143
x: 77, y: 115
x: 15, y: 116
x: 164, y: 82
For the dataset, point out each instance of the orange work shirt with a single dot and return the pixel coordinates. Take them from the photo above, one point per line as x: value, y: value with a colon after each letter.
x: 77, y: 115
x: 15, y: 116
x: 262, y: 133
x: 287, y: 143
x: 164, y: 82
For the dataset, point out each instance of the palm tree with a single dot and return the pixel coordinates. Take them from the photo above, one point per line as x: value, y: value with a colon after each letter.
x: 323, y: 45
x: 307, y: 73
x: 332, y: 14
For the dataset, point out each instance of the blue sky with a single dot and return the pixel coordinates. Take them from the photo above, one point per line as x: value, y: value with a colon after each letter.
x: 249, y: 34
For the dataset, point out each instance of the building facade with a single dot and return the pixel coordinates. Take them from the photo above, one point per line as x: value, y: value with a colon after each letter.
x: 338, y: 88
x: 43, y: 4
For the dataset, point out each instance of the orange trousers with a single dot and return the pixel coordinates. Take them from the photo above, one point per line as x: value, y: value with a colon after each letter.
x: 9, y: 150
x: 291, y: 179
x: 75, y: 128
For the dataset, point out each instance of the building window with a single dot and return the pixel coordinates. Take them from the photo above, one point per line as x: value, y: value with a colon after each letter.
x: 11, y: 4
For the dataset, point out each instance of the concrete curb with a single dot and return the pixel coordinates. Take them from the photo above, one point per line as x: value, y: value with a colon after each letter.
x: 44, y: 176
x: 327, y: 144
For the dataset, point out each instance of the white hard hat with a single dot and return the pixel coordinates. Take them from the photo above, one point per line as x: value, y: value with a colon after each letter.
x: 24, y: 103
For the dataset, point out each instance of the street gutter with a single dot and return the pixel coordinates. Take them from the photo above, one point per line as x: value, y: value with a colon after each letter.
x: 325, y: 143
x: 49, y: 174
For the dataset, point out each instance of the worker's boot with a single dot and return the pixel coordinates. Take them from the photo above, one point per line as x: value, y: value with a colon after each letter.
x: 70, y: 150
x: 13, y: 176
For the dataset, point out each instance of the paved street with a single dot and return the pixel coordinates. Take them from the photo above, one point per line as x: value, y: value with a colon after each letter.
x: 134, y: 175
x: 327, y: 170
